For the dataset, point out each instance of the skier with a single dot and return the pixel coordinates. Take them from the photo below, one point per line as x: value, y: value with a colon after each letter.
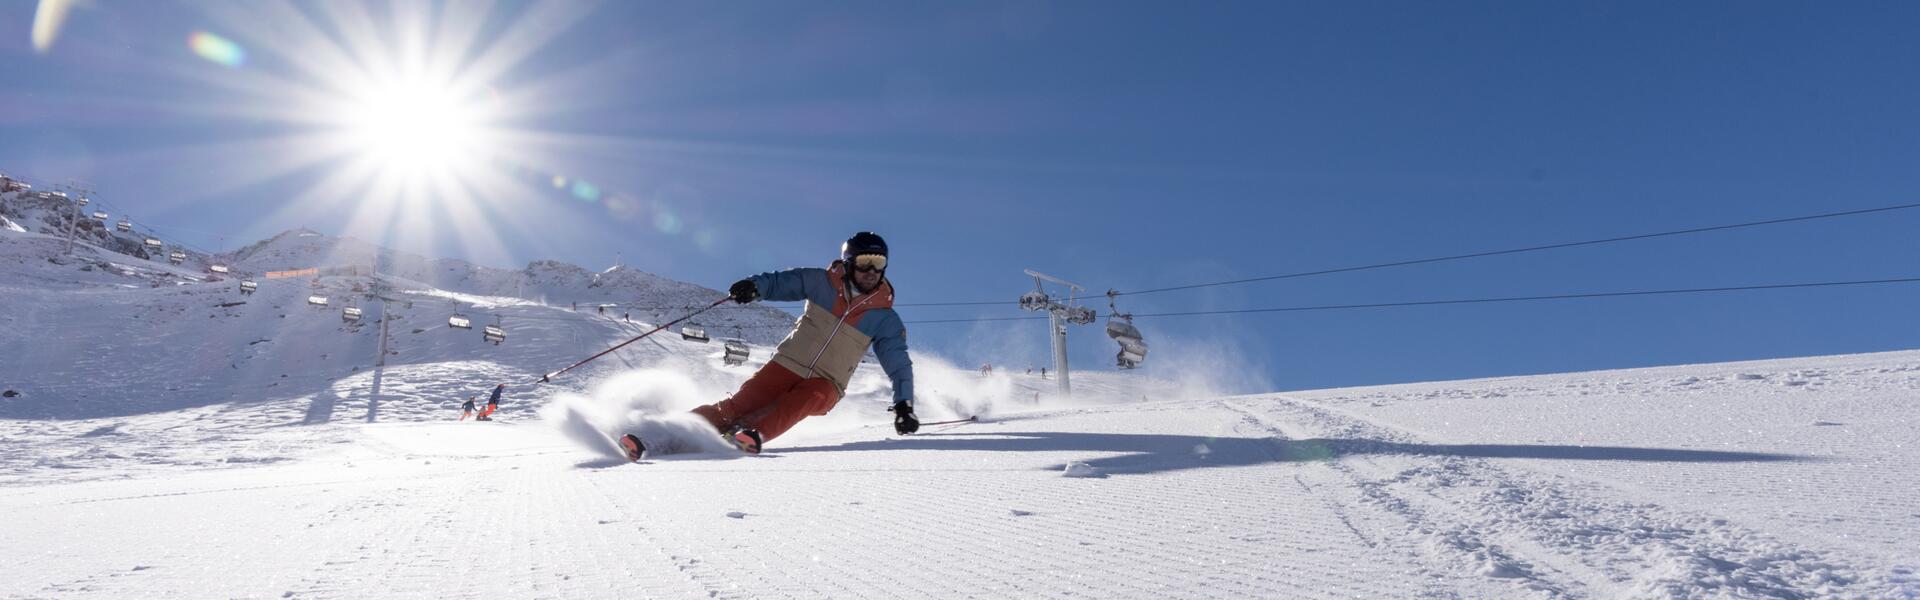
x: 849, y: 308
x: 468, y: 408
x: 493, y: 403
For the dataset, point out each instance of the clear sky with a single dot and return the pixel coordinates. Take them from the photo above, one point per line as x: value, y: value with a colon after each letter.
x: 1123, y: 145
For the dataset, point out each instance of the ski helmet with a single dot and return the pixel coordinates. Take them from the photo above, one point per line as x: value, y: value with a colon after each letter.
x: 865, y: 242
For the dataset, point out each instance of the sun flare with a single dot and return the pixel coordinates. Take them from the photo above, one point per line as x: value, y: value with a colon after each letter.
x: 417, y: 127
x: 417, y: 121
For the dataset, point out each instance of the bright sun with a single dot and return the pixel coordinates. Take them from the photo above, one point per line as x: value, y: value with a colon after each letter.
x: 416, y: 128
x: 397, y: 101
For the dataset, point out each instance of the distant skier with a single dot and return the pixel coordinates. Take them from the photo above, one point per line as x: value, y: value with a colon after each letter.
x: 849, y: 308
x: 467, y: 409
x: 493, y: 403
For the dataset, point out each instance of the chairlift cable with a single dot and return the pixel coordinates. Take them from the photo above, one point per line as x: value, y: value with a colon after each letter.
x: 1533, y: 248
x: 1473, y: 300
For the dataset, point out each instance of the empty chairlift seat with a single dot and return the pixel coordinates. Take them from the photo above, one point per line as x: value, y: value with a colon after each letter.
x: 737, y: 353
x: 248, y: 286
x: 459, y: 321
x: 493, y: 333
x: 177, y: 257
x: 99, y: 215
x: 350, y: 314
x: 317, y: 300
x: 1133, y: 349
x: 221, y: 269
x: 123, y: 225
x: 153, y: 244
x: 695, y: 333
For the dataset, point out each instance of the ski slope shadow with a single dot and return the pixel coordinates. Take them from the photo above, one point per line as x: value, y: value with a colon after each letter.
x: 1154, y: 453
x: 320, y: 410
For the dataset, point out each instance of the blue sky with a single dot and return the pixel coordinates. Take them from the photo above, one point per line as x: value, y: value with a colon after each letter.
x: 1123, y: 145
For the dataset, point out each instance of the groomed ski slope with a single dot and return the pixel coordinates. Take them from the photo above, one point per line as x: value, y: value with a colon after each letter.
x: 1775, y: 479
x: 165, y: 445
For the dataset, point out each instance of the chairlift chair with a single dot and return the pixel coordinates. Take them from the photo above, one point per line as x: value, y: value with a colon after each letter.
x: 247, y: 287
x: 99, y: 215
x: 1034, y: 301
x: 317, y: 300
x: 153, y: 244
x: 736, y: 353
x: 493, y: 333
x: 1133, y: 349
x: 695, y: 333
x: 350, y: 314
x: 177, y: 257
x: 124, y: 225
x: 83, y: 200
x: 222, y: 269
x: 459, y: 321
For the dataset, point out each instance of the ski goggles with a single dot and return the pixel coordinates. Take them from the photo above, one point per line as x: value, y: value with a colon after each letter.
x: 870, y: 263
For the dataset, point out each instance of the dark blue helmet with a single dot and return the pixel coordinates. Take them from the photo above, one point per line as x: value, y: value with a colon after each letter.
x: 865, y: 242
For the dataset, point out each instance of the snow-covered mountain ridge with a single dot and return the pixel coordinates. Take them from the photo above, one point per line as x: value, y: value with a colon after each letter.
x: 640, y: 295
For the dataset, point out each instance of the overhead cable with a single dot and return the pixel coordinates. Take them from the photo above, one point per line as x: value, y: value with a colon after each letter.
x: 1529, y: 249
x: 1474, y: 300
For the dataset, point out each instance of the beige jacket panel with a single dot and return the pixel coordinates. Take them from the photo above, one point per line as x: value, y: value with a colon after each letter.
x: 822, y: 346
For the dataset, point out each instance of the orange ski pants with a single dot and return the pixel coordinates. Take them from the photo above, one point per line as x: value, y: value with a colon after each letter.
x: 772, y: 401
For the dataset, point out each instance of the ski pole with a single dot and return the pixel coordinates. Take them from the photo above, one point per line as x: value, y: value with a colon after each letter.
x: 545, y: 378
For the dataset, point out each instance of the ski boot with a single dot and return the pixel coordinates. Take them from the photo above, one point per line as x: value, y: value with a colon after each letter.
x: 631, y: 446
x: 747, y: 440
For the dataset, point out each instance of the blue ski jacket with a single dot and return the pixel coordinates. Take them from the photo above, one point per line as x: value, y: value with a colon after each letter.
x: 838, y: 325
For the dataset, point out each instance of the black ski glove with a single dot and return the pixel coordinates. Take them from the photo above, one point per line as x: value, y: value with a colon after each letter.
x: 903, y: 421
x: 744, y: 291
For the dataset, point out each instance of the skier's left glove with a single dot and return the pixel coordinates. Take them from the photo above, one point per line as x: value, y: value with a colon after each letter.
x: 744, y: 291
x: 903, y: 421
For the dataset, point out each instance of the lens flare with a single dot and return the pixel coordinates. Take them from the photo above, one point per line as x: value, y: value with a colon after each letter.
x: 216, y: 49
x: 667, y: 223
x: 622, y: 207
x: 586, y: 191
x: 47, y: 20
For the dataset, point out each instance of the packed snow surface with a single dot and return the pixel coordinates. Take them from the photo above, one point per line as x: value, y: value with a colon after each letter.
x: 166, y: 443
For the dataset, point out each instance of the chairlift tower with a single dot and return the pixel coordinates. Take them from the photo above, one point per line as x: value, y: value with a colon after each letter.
x: 78, y: 200
x: 378, y: 292
x: 1059, y: 315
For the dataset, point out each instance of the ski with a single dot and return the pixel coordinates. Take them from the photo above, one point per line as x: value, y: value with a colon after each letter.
x: 631, y: 446
x: 953, y: 422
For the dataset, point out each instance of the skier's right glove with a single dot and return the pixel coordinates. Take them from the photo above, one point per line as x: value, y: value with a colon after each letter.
x: 744, y: 291
x: 903, y: 421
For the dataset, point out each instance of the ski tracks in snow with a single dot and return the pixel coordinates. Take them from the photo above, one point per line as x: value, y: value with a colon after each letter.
x: 1546, y: 534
